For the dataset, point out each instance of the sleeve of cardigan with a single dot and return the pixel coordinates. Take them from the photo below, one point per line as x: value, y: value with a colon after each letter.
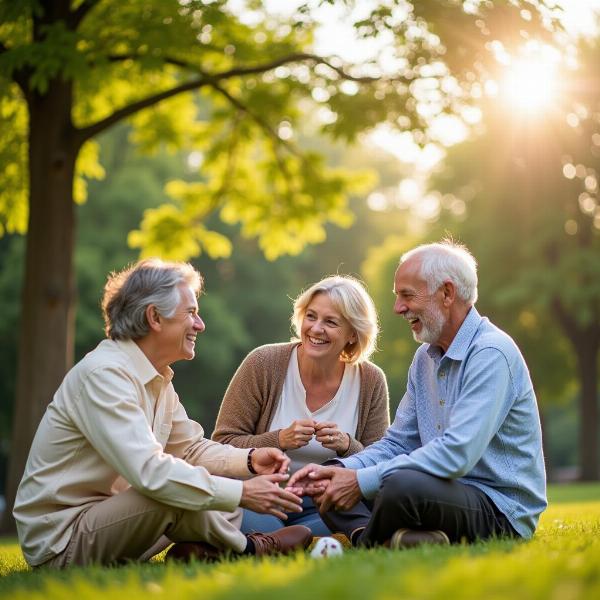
x: 242, y: 406
x: 378, y: 417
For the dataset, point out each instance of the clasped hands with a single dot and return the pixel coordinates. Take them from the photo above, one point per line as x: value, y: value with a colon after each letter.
x: 330, y: 487
x: 301, y: 431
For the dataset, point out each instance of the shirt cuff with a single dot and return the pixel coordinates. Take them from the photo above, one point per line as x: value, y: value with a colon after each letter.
x: 351, y: 462
x: 369, y: 481
x: 227, y: 494
x: 237, y: 461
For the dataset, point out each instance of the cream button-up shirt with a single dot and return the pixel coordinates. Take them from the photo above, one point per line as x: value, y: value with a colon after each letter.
x: 116, y: 422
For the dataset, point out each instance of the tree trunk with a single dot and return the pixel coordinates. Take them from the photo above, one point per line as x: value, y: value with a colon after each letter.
x: 47, y: 317
x: 587, y: 363
x: 585, y: 340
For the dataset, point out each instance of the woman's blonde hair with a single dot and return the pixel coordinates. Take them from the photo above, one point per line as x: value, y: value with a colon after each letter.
x: 352, y: 301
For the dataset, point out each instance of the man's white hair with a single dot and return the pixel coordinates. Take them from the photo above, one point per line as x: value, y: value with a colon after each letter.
x: 447, y: 261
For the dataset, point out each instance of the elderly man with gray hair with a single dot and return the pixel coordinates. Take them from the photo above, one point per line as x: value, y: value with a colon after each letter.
x: 463, y: 458
x: 117, y: 471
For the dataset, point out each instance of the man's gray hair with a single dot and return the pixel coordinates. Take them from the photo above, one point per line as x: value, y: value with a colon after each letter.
x: 128, y: 293
x: 447, y: 261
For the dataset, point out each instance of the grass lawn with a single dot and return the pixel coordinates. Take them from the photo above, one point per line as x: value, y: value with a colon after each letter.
x: 562, y: 562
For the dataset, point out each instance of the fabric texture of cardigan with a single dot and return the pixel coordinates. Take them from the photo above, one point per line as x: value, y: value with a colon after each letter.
x: 252, y: 396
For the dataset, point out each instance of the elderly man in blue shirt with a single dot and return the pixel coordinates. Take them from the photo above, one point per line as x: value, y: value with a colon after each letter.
x: 463, y: 458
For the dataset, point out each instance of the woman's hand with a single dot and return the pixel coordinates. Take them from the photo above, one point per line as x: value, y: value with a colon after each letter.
x: 298, y: 434
x: 331, y: 437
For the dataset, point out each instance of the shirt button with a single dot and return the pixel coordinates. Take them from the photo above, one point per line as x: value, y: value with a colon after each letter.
x: 442, y: 402
x: 439, y: 427
x: 442, y: 374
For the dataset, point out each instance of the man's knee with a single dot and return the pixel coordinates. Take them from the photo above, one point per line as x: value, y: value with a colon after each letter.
x: 405, y: 486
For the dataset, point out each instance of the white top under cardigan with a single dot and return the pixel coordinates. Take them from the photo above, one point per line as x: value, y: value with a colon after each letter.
x: 342, y: 410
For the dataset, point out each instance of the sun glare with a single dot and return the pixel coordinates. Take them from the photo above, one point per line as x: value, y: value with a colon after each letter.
x: 530, y: 84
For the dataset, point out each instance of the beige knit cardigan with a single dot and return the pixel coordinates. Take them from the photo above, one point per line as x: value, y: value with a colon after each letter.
x: 252, y: 396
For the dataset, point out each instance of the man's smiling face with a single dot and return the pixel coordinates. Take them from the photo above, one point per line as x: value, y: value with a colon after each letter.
x: 414, y: 302
x: 180, y: 330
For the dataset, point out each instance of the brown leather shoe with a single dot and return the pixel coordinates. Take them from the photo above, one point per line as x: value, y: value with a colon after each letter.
x: 282, y: 541
x: 409, y: 538
x: 188, y: 551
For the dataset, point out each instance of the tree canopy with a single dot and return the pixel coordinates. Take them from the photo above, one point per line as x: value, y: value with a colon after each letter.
x: 261, y: 83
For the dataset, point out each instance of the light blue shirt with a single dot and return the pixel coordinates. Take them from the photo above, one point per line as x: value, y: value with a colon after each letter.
x: 469, y: 414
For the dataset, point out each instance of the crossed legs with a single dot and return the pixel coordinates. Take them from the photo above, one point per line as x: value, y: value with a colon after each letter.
x: 416, y: 500
x: 130, y: 526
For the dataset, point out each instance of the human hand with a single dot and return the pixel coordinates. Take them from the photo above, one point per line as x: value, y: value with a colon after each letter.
x: 331, y: 437
x: 298, y: 434
x: 266, y: 461
x: 301, y: 483
x: 262, y: 494
x: 341, y: 490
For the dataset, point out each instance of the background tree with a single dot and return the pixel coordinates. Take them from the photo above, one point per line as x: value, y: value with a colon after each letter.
x: 70, y: 69
x: 536, y: 197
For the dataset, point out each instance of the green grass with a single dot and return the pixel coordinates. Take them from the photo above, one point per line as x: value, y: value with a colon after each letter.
x: 562, y: 562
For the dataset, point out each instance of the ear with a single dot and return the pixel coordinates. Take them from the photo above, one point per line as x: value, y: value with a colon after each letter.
x: 353, y: 338
x: 448, y: 293
x: 153, y: 318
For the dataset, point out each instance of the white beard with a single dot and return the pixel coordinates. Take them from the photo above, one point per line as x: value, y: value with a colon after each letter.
x: 432, y: 324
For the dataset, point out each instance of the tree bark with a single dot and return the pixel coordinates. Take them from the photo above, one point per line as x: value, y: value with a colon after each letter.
x: 585, y: 340
x: 587, y: 363
x: 48, y: 306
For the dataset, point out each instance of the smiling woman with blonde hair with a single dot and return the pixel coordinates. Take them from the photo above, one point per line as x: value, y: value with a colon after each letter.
x: 317, y: 397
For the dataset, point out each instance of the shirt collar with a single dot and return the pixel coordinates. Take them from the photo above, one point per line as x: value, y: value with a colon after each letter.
x: 145, y: 369
x: 460, y: 344
x: 462, y: 340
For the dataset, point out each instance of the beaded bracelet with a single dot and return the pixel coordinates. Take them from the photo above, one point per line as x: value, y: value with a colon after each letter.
x: 249, y: 462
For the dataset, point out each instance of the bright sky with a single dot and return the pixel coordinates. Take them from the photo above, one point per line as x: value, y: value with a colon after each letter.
x: 577, y: 15
x: 527, y: 86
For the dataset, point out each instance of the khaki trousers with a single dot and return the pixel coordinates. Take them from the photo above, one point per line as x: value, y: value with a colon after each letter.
x: 130, y: 526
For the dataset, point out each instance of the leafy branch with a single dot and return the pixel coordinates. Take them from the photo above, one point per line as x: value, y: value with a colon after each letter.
x: 86, y: 133
x: 299, y: 57
x: 76, y: 16
x: 256, y: 118
x: 90, y: 131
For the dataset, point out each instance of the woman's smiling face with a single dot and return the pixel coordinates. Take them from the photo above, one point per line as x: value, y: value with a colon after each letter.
x: 324, y: 332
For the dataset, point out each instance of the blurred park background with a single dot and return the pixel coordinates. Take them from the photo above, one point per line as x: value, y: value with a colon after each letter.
x: 273, y: 143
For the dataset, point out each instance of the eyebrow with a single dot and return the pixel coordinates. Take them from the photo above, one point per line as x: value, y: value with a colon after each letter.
x: 326, y: 317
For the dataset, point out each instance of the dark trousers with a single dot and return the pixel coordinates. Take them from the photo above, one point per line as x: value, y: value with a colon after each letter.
x: 416, y: 500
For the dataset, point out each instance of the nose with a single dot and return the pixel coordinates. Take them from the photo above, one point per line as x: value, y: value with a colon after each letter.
x: 199, y: 324
x: 317, y: 326
x: 400, y: 307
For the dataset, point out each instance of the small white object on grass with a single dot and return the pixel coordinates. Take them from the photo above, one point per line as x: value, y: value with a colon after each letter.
x: 326, y: 547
